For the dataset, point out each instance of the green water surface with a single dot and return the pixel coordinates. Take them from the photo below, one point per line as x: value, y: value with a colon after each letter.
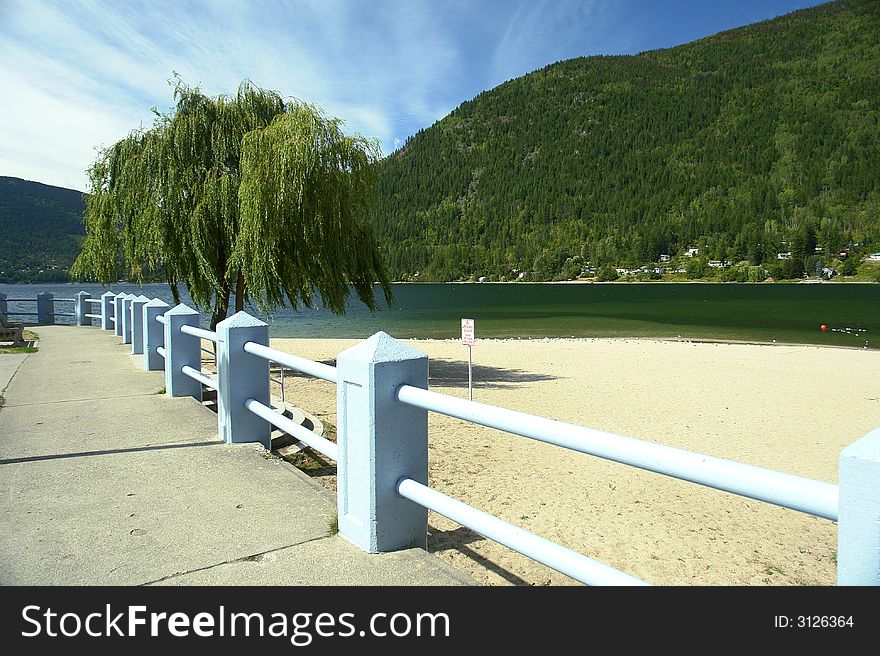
x: 784, y: 313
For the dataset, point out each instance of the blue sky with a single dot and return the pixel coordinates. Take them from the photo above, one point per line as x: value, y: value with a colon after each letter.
x: 79, y: 74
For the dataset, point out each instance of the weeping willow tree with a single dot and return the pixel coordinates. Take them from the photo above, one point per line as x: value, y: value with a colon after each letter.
x: 255, y: 196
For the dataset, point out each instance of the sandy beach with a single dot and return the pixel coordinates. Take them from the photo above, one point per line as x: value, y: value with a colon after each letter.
x: 788, y: 407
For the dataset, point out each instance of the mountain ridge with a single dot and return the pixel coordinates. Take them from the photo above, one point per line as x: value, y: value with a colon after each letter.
x: 745, y: 145
x: 728, y: 143
x: 42, y: 230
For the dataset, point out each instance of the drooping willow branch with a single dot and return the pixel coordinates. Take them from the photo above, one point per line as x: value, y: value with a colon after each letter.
x: 255, y: 195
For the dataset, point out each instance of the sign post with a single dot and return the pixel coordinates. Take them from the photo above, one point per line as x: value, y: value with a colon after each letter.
x: 467, y: 338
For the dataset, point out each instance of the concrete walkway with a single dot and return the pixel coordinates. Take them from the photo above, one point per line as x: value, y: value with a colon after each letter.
x: 104, y: 480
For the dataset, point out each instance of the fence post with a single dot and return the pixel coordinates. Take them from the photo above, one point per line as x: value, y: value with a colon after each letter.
x: 858, y: 523
x: 126, y: 317
x: 380, y: 441
x: 181, y: 350
x: 137, y: 324
x: 3, y: 307
x: 45, y: 309
x: 107, y: 307
x: 81, y: 308
x: 241, y: 376
x: 118, y: 313
x: 154, y: 334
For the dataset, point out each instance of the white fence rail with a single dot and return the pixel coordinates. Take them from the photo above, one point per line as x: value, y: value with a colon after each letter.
x: 317, y: 442
x: 795, y: 492
x: 200, y: 332
x: 200, y: 377
x: 562, y: 559
x: 382, y: 448
x: 316, y: 369
x: 44, y: 308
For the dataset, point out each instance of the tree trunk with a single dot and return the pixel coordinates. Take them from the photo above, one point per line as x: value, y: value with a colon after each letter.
x: 221, y: 307
x: 239, y: 293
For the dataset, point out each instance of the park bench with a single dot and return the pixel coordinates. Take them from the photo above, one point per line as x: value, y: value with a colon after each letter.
x: 10, y: 332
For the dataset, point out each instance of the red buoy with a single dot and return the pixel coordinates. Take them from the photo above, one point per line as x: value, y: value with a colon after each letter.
x: 823, y: 327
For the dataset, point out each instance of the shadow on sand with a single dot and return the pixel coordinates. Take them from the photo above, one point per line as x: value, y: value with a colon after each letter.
x: 458, y: 539
x: 454, y: 373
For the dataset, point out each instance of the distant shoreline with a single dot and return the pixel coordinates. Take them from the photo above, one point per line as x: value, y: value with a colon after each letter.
x: 520, y: 282
x: 630, y: 282
x: 681, y: 340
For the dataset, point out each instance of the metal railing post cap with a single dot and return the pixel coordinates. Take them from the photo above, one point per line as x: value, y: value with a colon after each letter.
x: 130, y: 296
x: 142, y: 298
x: 108, y: 295
x: 120, y: 295
x: 381, y: 347
x: 156, y: 302
x: 181, y: 308
x: 240, y: 319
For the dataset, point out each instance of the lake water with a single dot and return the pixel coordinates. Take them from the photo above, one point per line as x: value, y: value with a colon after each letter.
x: 785, y: 313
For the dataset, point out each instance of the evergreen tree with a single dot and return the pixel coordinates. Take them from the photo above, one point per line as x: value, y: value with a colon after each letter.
x: 734, y: 143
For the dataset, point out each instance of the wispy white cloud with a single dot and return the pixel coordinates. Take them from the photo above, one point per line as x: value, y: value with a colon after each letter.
x: 78, y: 74
x: 547, y: 31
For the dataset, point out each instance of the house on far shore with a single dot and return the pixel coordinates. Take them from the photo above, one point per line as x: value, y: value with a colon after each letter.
x: 692, y: 252
x: 783, y: 256
x: 665, y: 258
x: 874, y: 257
x: 718, y: 264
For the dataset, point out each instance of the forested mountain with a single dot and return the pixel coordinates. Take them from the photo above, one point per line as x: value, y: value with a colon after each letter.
x: 40, y: 230
x: 744, y: 144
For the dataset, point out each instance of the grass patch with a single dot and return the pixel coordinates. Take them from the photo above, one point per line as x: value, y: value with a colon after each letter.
x: 310, y: 461
x: 17, y: 349
x: 161, y: 390
x: 334, y: 525
x: 2, y: 400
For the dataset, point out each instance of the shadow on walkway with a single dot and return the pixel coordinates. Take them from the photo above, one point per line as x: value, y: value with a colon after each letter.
x: 108, y: 452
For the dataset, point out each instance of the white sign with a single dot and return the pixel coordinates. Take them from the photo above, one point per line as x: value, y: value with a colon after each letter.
x: 467, y: 332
